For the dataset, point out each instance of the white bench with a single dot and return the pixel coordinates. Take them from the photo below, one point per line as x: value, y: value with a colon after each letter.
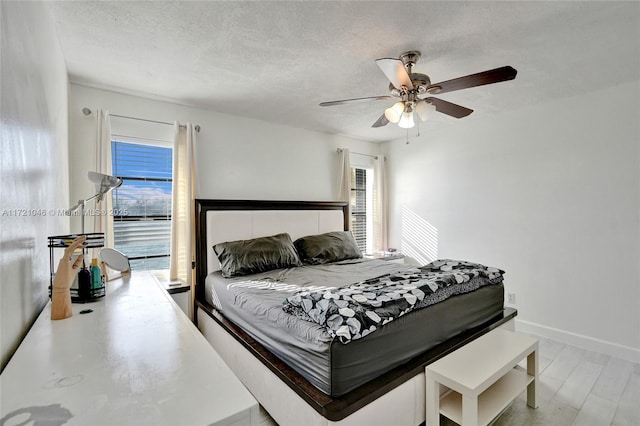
x: 483, y: 378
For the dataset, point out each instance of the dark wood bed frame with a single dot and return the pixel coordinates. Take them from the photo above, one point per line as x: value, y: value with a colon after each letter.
x: 333, y: 409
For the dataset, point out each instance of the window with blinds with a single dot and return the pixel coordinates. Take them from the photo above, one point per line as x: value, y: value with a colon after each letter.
x: 142, y: 226
x: 359, y: 210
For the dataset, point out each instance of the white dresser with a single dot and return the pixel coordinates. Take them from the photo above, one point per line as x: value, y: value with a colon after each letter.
x: 136, y: 359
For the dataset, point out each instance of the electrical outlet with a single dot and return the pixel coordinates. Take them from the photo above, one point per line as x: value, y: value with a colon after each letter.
x: 511, y: 298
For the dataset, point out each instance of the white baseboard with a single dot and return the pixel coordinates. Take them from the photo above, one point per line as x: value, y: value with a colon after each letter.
x: 579, y: 340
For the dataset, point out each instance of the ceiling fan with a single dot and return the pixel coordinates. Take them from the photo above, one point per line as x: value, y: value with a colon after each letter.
x: 413, y: 91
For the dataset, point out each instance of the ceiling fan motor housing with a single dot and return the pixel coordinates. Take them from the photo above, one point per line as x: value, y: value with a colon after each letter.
x: 420, y: 83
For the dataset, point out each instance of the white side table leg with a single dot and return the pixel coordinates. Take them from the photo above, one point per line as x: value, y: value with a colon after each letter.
x: 532, y: 370
x: 469, y: 410
x: 433, y: 401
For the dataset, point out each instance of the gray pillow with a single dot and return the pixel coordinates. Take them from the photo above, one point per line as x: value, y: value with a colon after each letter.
x: 329, y: 247
x: 245, y: 257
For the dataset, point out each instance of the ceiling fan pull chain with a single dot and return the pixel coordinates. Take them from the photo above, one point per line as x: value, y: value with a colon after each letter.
x: 407, y: 136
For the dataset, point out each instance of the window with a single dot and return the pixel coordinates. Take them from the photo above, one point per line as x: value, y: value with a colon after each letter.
x: 142, y: 226
x: 362, y: 207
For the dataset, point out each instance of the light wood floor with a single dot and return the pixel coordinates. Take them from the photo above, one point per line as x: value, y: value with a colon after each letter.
x: 578, y: 387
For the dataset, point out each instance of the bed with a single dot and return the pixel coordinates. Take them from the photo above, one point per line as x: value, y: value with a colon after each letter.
x: 306, y: 373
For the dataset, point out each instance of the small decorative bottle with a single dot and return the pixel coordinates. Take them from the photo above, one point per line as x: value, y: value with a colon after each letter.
x: 96, y: 275
x: 84, y: 283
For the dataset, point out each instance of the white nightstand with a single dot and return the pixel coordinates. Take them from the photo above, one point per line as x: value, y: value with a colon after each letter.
x: 482, y: 378
x: 181, y: 294
x: 180, y: 291
x: 395, y: 257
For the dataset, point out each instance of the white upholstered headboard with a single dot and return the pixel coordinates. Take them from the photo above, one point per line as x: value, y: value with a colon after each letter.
x: 228, y: 220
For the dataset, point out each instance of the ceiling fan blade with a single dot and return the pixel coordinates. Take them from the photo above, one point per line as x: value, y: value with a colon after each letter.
x: 445, y: 107
x: 480, y: 79
x: 382, y: 121
x: 395, y: 71
x: 344, y: 101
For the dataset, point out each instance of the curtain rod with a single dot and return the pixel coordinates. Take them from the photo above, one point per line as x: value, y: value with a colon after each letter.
x: 87, y: 111
x: 140, y: 137
x: 375, y: 157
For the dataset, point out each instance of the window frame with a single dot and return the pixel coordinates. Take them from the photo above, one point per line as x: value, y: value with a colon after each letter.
x: 367, y: 247
x: 133, y: 218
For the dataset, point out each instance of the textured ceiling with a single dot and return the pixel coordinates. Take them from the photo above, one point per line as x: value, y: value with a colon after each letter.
x: 276, y: 61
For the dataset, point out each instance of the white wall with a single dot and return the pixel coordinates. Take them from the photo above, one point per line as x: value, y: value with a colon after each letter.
x: 237, y: 158
x: 33, y: 161
x: 551, y: 194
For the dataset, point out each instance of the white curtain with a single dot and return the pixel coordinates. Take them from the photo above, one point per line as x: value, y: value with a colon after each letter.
x: 104, y: 222
x: 380, y: 209
x: 344, y: 180
x: 182, y: 207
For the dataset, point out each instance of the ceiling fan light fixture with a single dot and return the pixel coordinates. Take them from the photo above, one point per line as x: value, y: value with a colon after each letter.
x: 406, y: 121
x: 394, y: 112
x: 425, y: 110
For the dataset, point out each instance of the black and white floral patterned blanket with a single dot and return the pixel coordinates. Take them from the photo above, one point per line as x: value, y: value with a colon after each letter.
x: 352, y: 312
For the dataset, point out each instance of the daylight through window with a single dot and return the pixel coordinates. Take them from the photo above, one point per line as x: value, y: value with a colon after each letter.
x: 143, y: 231
x: 362, y: 207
